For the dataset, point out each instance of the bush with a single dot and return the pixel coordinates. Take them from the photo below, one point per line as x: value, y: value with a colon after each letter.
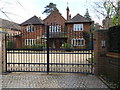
x: 90, y: 60
x: 10, y: 44
x: 68, y: 46
x: 86, y: 36
x: 39, y: 46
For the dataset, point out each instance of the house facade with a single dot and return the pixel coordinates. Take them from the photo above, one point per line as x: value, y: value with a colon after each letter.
x: 9, y: 27
x: 57, y: 32
x: 61, y: 31
x: 12, y: 30
x: 76, y: 28
x: 31, y: 33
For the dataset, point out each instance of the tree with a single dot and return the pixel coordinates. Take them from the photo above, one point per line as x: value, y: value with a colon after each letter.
x: 109, y: 9
x: 49, y: 8
x: 87, y: 16
x: 116, y: 17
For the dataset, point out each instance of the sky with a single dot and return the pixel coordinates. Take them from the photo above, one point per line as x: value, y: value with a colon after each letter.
x: 21, y: 10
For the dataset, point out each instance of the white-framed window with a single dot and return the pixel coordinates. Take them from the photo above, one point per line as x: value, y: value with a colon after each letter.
x: 30, y: 28
x: 55, y: 28
x: 78, y: 42
x: 78, y: 27
x: 30, y: 42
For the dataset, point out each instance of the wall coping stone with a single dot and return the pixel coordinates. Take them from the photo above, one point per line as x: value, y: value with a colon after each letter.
x: 113, y: 55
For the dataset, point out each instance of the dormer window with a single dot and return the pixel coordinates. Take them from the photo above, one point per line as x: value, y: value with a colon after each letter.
x: 78, y: 27
x: 30, y: 28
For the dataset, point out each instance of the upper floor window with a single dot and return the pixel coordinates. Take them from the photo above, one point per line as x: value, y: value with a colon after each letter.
x: 78, y: 27
x: 30, y: 28
x: 56, y: 28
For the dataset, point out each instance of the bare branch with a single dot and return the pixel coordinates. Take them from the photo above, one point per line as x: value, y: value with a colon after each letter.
x: 98, y: 11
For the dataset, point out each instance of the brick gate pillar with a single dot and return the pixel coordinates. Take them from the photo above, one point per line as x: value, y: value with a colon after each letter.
x: 100, y: 49
x: 2, y: 53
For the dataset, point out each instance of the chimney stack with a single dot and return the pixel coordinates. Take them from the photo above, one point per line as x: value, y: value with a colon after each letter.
x: 67, y: 13
x: 70, y: 16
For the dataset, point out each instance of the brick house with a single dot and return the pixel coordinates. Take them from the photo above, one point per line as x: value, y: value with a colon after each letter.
x: 60, y: 30
x: 9, y: 27
x: 75, y: 27
x: 32, y: 31
x: 12, y: 30
x: 57, y: 32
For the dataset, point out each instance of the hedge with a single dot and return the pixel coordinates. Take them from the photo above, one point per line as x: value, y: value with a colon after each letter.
x: 114, y: 39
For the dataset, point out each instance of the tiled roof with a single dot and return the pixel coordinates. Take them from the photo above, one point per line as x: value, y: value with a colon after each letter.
x: 78, y: 18
x: 33, y: 20
x: 9, y: 25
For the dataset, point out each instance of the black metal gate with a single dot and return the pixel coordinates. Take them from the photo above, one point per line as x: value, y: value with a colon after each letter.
x: 55, y: 50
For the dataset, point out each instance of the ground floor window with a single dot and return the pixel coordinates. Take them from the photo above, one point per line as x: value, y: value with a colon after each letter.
x: 30, y: 42
x: 78, y: 42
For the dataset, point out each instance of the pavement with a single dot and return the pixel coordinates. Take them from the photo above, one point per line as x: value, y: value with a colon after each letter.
x: 52, y: 80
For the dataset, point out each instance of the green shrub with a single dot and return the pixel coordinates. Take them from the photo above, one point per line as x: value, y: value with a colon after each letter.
x: 10, y: 44
x: 90, y: 60
x: 68, y: 45
x: 114, y: 39
x: 86, y: 36
x: 39, y: 46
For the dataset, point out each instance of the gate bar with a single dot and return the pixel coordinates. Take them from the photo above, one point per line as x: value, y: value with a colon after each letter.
x: 47, y: 49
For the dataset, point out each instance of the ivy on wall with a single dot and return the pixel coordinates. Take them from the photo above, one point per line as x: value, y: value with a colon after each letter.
x: 86, y: 36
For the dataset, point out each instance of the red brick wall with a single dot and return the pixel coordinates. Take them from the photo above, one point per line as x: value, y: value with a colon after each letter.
x: 55, y: 18
x: 86, y: 26
x: 106, y: 63
x: 76, y: 34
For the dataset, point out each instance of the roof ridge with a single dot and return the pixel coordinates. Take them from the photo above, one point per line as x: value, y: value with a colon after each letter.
x: 53, y: 12
x: 33, y: 20
x: 78, y: 18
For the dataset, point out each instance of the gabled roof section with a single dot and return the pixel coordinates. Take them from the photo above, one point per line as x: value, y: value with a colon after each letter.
x: 78, y: 18
x: 53, y: 16
x: 9, y: 25
x: 33, y: 20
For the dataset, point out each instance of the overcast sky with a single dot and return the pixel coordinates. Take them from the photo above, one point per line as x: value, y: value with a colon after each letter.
x: 21, y: 10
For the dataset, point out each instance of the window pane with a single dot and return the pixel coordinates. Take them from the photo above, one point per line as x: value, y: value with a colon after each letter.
x: 73, y: 42
x: 82, y: 42
x: 32, y: 28
x: 78, y: 42
x: 78, y: 27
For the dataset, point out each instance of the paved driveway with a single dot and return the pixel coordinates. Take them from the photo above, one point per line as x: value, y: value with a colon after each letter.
x: 54, y: 80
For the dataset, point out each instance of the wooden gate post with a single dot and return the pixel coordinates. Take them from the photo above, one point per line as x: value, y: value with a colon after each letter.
x: 2, y: 53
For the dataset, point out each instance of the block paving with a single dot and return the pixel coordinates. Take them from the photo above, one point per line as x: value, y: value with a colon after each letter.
x: 52, y: 80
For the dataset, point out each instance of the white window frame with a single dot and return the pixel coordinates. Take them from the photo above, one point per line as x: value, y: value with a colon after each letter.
x: 75, y: 42
x: 30, y: 42
x: 30, y: 28
x: 55, y: 28
x: 78, y: 27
